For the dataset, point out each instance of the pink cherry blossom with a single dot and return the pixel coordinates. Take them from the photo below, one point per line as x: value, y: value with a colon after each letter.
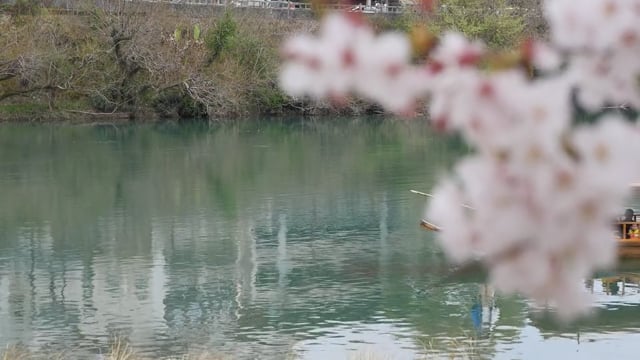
x: 595, y: 25
x: 542, y: 191
x: 346, y: 57
x: 607, y: 79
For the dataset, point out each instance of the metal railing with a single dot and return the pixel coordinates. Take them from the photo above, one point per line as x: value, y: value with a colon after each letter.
x: 378, y: 8
x: 285, y: 5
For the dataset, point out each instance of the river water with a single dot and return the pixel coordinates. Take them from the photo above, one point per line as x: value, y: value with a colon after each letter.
x: 260, y: 240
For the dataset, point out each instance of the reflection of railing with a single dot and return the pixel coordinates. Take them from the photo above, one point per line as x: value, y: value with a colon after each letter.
x: 618, y: 284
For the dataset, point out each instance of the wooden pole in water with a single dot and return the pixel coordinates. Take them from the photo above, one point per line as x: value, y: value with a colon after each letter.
x: 430, y: 195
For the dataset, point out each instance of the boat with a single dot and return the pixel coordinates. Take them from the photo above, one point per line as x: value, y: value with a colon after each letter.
x: 628, y: 248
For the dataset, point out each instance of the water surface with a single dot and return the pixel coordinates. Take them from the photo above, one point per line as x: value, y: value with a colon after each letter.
x: 259, y: 239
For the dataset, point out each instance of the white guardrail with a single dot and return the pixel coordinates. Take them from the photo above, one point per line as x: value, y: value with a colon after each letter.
x: 285, y: 5
x: 378, y: 7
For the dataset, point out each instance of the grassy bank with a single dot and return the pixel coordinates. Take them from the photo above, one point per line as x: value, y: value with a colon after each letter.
x: 147, y: 61
x: 140, y: 61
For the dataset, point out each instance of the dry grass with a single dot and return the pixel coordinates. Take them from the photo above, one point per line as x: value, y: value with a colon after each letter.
x: 457, y: 350
x: 370, y: 355
x: 203, y: 356
x: 21, y: 352
x: 462, y: 349
x: 121, y: 349
x: 16, y: 352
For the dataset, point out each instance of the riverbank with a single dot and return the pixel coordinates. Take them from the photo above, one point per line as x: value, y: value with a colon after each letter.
x: 151, y: 62
x: 140, y: 62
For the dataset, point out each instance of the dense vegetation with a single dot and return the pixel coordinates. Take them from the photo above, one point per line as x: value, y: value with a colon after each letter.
x: 147, y: 61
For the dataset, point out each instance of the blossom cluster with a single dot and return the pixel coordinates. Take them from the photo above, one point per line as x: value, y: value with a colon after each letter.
x: 542, y: 190
x: 347, y: 57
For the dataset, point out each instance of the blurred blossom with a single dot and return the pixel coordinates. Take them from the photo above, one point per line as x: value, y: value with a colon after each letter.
x: 543, y: 191
x: 542, y: 218
x: 543, y: 56
x: 346, y: 57
x: 596, y: 25
x: 455, y: 50
x: 606, y: 79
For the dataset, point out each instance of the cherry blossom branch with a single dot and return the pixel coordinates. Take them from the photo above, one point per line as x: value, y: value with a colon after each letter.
x: 544, y: 189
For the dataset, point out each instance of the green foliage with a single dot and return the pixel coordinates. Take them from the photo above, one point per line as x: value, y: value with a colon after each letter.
x: 183, y: 32
x: 492, y: 21
x: 175, y: 102
x: 104, y: 100
x: 250, y: 53
x: 221, y: 36
x: 196, y: 32
x: 401, y: 22
x: 27, y: 7
x: 257, y: 63
x: 23, y: 108
x: 270, y: 98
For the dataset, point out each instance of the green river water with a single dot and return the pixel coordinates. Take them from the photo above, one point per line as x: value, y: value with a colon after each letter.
x: 261, y: 240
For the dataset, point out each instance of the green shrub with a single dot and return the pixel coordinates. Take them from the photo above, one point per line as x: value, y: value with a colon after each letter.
x: 270, y: 98
x: 402, y: 22
x: 251, y: 53
x: 104, y: 101
x: 196, y: 32
x: 493, y: 21
x: 27, y: 7
x: 175, y: 102
x: 221, y: 36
